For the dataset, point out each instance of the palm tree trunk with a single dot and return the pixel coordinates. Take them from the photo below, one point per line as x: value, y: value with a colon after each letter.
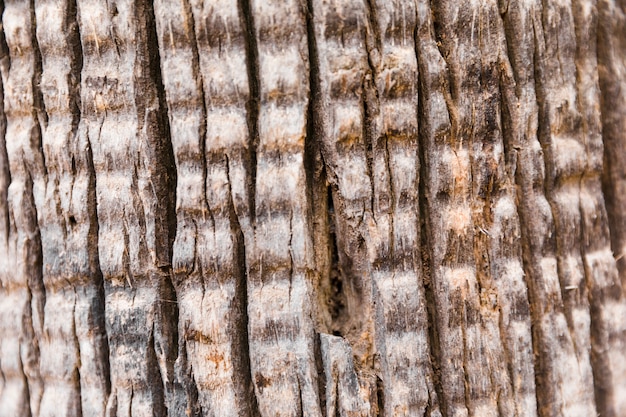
x: 313, y: 208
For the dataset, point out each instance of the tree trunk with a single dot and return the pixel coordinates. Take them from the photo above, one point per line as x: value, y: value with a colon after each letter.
x: 313, y: 208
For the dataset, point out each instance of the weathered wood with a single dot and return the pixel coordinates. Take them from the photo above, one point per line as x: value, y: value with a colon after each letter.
x: 343, y: 396
x: 611, y: 66
x: 202, y: 45
x: 25, y: 297
x: 473, y: 227
x: 74, y: 353
x: 280, y: 255
x: 124, y: 121
x: 312, y: 207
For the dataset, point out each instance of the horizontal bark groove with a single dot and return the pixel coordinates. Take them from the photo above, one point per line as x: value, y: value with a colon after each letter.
x: 312, y: 208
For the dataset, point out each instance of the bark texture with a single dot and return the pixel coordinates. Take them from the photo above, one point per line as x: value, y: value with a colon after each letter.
x: 313, y: 208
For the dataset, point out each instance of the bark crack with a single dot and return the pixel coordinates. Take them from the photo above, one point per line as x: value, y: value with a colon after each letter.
x: 254, y: 102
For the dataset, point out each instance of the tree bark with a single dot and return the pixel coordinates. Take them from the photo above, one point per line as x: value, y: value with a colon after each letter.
x: 313, y: 208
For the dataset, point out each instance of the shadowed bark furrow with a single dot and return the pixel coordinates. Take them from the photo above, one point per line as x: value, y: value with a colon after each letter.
x: 202, y: 45
x: 611, y: 50
x: 23, y: 310
x: 5, y: 181
x: 124, y: 120
x: 611, y: 61
x: 280, y: 254
x: 74, y: 308
x: 179, y: 66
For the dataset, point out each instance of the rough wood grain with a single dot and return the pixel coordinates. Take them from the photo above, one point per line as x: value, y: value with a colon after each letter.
x: 342, y: 67
x: 472, y: 227
x: 124, y: 121
x: 368, y: 122
x: 202, y: 45
x: 23, y: 309
x: 571, y: 133
x: 280, y: 255
x: 74, y: 353
x: 611, y: 66
x: 312, y: 207
x: 552, y: 341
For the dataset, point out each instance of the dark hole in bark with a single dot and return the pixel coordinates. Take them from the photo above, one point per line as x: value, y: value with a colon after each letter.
x: 336, y: 297
x: 380, y: 396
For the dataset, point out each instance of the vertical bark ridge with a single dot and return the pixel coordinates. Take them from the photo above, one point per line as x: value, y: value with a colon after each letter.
x: 472, y: 43
x: 576, y: 131
x: 555, y: 350
x: 401, y: 317
x: 281, y: 258
x: 472, y: 223
x: 24, y: 314
x: 125, y: 122
x: 203, y: 46
x: 71, y: 283
x: 342, y: 392
x: 437, y: 123
x: 611, y: 61
x: 611, y: 50
x: 559, y: 135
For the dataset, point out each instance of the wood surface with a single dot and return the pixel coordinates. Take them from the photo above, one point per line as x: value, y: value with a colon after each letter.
x: 313, y: 208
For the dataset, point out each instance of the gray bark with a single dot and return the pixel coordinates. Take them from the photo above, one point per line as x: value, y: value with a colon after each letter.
x: 313, y: 208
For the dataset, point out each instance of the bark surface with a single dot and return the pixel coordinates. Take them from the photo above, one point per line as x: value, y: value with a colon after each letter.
x: 313, y: 208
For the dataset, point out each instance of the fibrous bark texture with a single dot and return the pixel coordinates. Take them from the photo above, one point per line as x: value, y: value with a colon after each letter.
x: 313, y: 208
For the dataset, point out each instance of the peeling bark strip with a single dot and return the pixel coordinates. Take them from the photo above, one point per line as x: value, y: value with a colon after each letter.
x: 195, y: 194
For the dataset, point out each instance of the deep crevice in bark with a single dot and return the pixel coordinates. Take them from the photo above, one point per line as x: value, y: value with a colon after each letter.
x: 425, y: 239
x: 158, y: 395
x: 39, y: 106
x: 336, y: 301
x: 99, y: 306
x: 36, y: 294
x: 254, y: 101
x: 76, y: 374
x: 612, y: 109
x: 150, y: 102
x: 5, y: 173
x: 242, y: 356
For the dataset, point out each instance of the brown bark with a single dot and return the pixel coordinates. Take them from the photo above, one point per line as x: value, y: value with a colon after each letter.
x: 312, y: 208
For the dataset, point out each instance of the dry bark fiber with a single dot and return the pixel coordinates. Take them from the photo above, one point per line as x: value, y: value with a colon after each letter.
x: 313, y: 208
